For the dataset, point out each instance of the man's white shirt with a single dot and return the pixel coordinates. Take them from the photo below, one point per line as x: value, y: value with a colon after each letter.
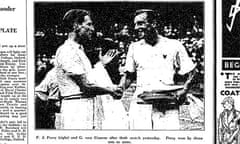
x: 156, y: 65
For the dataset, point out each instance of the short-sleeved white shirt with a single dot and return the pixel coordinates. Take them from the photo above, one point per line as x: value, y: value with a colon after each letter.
x: 156, y: 65
x: 71, y: 60
x: 49, y: 85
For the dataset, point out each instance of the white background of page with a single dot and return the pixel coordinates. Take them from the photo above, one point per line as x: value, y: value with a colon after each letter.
x: 13, y: 19
x: 16, y: 19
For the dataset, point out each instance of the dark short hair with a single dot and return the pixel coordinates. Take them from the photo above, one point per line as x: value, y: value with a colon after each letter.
x: 74, y: 16
x: 151, y: 15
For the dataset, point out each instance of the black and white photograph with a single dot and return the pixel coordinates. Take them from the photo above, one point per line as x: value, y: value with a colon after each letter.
x: 119, y: 65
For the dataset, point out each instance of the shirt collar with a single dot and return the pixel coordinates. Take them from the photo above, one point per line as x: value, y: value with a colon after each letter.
x: 73, y: 44
x: 160, y: 39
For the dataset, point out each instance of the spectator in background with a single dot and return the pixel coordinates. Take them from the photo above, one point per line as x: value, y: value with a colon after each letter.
x: 43, y: 65
x: 47, y: 101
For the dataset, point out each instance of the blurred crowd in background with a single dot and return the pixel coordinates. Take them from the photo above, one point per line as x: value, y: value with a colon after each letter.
x: 119, y: 36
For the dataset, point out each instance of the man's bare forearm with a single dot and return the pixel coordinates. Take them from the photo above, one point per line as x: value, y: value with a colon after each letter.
x: 97, y: 90
x: 89, y: 88
x: 189, y: 80
x: 126, y: 80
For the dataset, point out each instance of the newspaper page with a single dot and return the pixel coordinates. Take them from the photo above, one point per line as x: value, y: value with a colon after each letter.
x: 107, y: 72
x: 227, y: 94
x: 13, y: 71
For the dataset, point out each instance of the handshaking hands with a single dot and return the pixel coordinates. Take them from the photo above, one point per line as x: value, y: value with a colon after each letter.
x: 117, y: 92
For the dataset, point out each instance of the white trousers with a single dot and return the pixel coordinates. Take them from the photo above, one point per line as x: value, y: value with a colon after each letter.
x: 78, y: 113
x: 140, y: 116
x: 167, y: 119
x: 115, y: 116
x: 101, y: 112
x: 147, y: 116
